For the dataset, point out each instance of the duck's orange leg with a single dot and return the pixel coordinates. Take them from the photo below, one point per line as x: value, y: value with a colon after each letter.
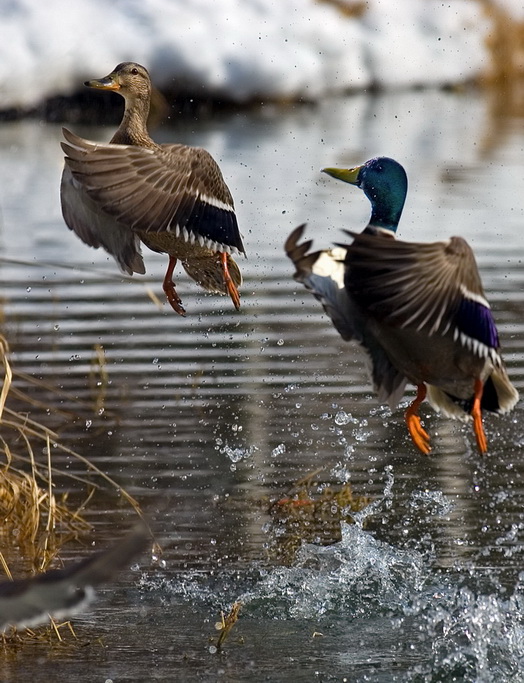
x: 418, y: 434
x: 228, y: 281
x: 476, y: 413
x: 169, y: 288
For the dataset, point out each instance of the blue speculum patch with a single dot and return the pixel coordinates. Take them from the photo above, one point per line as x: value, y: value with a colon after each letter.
x: 476, y: 321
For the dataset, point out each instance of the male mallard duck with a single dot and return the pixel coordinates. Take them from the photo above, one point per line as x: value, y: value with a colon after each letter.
x: 418, y: 310
x: 173, y: 198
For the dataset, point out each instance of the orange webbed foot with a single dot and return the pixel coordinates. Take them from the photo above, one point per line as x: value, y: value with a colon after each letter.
x: 169, y: 288
x: 174, y: 300
x: 228, y: 281
x: 476, y: 413
x: 418, y: 434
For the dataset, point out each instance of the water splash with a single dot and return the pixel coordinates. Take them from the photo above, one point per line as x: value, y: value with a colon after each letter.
x: 459, y: 631
x: 356, y: 575
x: 474, y: 636
x: 237, y: 454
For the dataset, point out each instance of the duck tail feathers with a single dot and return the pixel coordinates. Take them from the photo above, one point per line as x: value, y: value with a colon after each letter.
x: 499, y: 396
x: 507, y: 395
x: 447, y: 405
x: 207, y: 272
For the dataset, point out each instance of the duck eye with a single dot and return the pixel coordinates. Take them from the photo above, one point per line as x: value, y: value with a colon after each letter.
x: 134, y: 71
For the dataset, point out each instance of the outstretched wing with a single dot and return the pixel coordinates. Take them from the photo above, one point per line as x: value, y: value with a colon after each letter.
x: 97, y: 228
x: 432, y: 288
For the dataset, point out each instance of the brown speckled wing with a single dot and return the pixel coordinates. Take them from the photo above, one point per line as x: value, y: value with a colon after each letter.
x: 167, y: 188
x: 97, y: 228
x: 410, y: 284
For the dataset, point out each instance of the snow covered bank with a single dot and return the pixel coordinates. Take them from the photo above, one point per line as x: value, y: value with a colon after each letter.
x: 242, y: 49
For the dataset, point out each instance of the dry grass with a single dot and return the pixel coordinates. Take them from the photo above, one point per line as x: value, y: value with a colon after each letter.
x: 348, y: 8
x: 226, y: 623
x: 49, y: 637
x: 311, y: 513
x: 36, y: 521
x: 36, y: 524
x: 99, y: 379
x: 506, y: 46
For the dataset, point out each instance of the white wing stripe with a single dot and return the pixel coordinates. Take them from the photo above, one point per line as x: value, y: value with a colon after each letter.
x: 472, y: 296
x: 213, y: 201
x: 190, y: 237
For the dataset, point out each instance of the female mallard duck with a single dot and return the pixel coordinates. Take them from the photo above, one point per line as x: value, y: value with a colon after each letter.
x: 173, y: 198
x: 418, y: 310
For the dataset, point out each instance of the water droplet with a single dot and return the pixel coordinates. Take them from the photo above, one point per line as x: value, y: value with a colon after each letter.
x: 234, y: 454
x: 361, y: 435
x: 342, y: 418
x: 279, y: 450
x: 280, y: 342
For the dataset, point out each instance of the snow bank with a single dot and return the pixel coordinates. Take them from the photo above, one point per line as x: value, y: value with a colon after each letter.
x: 239, y: 49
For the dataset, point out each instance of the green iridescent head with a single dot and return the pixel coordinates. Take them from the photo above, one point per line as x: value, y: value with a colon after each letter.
x: 384, y: 183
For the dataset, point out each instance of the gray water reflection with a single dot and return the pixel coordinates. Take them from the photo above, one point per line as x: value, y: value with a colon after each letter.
x: 207, y: 417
